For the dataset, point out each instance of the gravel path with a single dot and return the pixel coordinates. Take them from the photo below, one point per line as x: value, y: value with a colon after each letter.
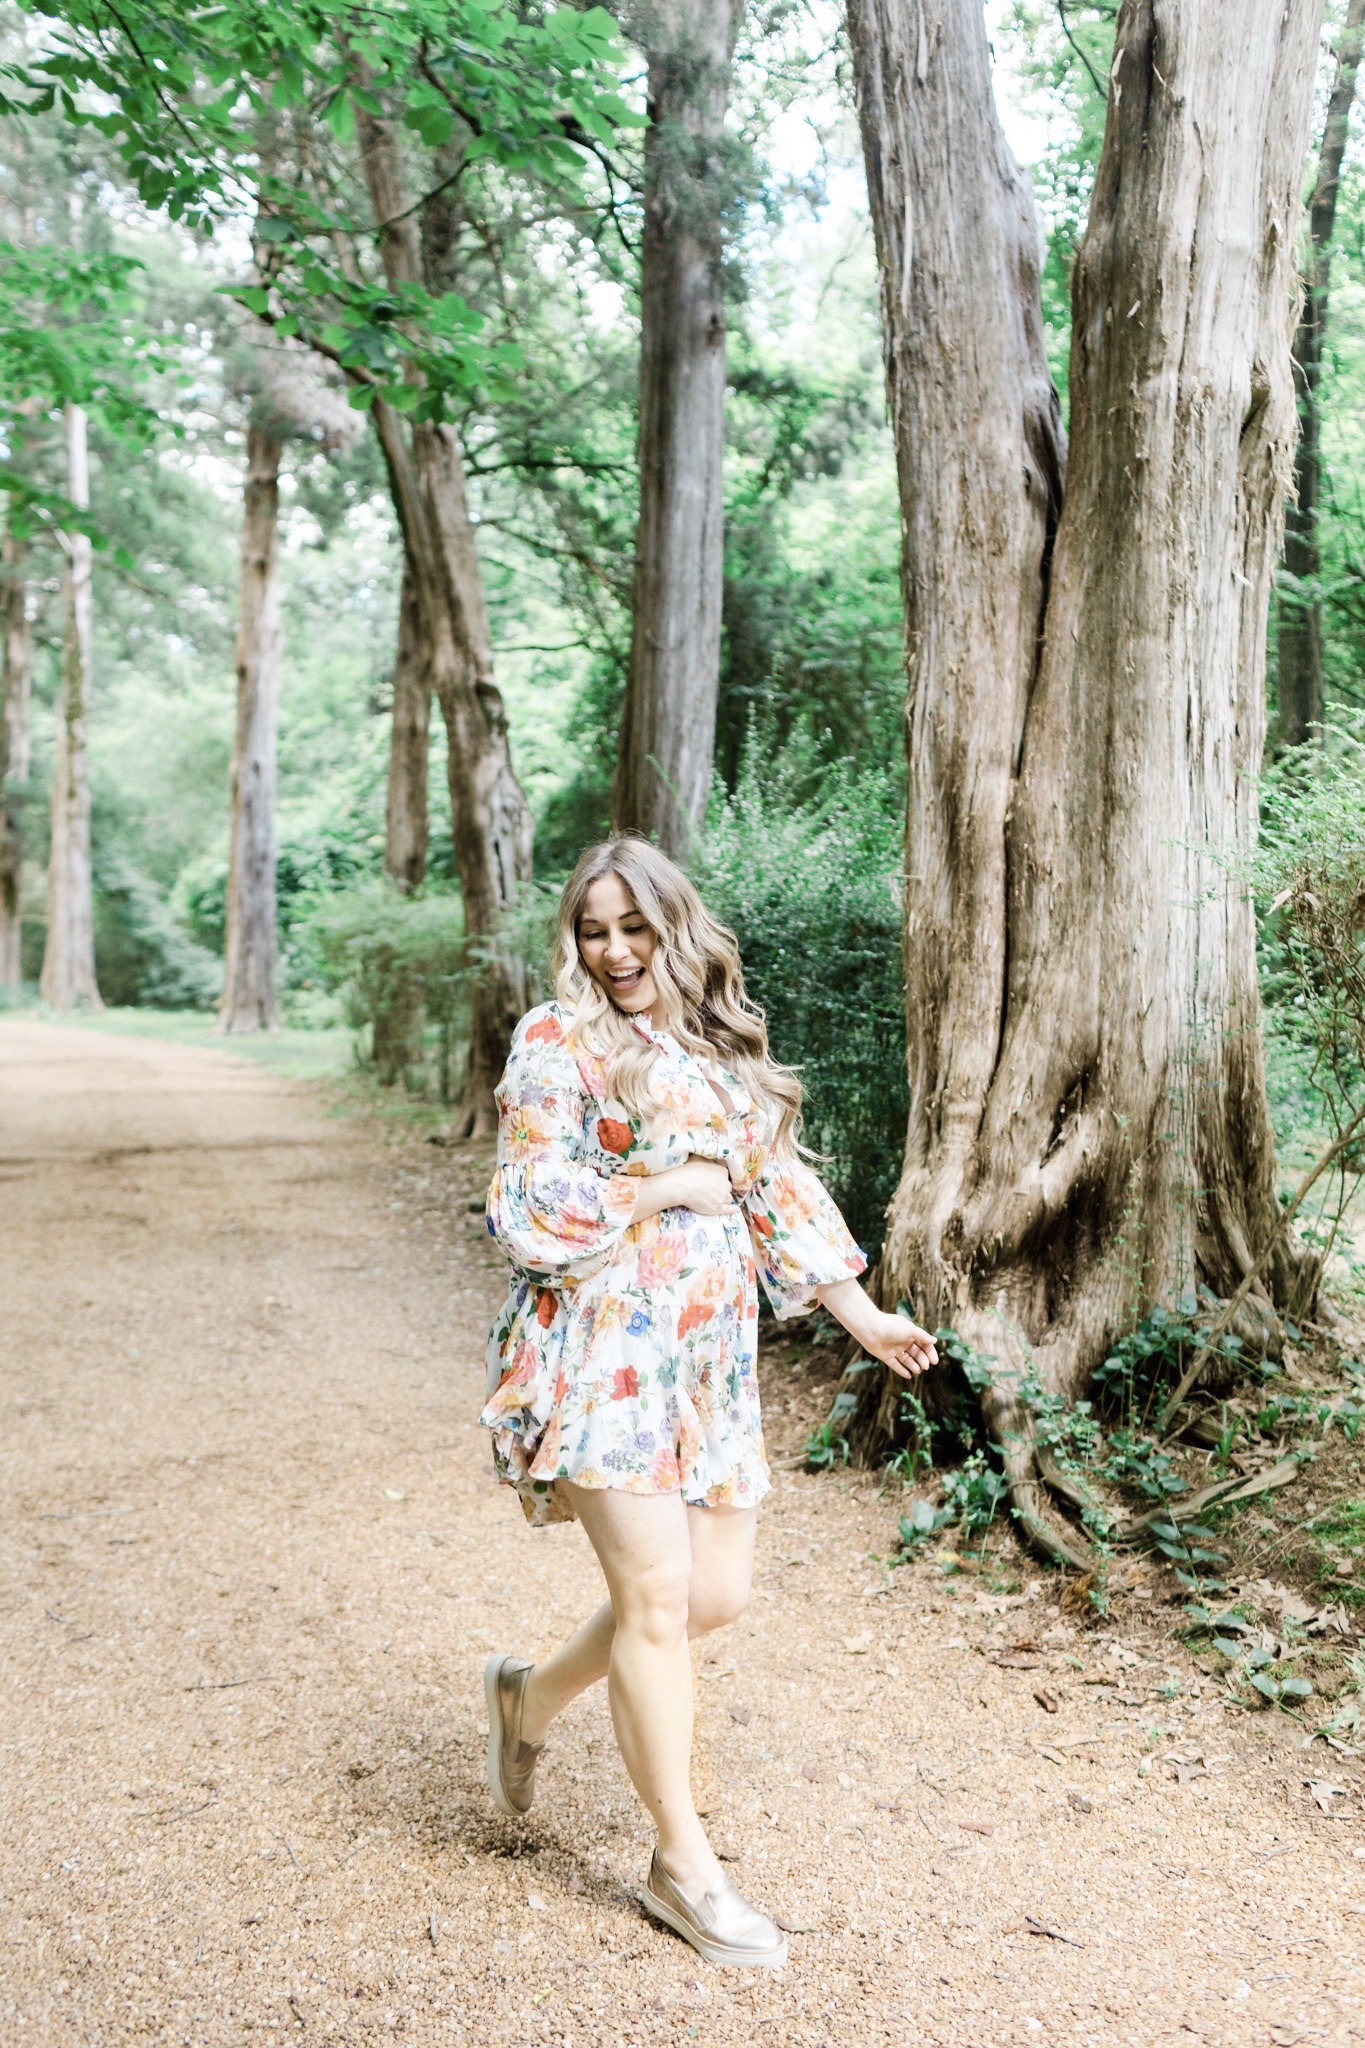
x: 253, y: 1561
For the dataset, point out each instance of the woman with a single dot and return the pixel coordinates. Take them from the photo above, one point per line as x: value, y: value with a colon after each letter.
x: 647, y: 1158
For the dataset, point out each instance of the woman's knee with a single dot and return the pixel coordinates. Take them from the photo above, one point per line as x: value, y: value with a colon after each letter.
x: 654, y: 1603
x: 716, y: 1602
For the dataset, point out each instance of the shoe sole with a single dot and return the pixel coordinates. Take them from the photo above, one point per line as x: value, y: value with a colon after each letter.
x: 495, y: 1785
x: 713, y: 1951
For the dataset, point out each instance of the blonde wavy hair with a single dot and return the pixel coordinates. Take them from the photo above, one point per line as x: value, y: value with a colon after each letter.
x: 697, y: 971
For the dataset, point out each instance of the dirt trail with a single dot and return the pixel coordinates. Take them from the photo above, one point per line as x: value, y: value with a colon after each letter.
x: 253, y: 1561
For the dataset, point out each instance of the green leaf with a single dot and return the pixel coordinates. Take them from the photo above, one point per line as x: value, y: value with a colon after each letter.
x: 361, y: 397
x: 1265, y: 1685
x: 341, y: 117
x: 254, y: 297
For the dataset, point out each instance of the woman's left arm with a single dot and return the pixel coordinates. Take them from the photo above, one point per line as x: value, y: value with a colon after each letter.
x: 894, y: 1340
x: 806, y: 1254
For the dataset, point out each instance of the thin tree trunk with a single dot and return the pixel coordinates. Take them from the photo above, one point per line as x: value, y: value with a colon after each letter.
x: 249, y: 1001
x: 491, y: 822
x: 14, y: 748
x: 68, y: 976
x: 668, y: 726
x: 1088, y: 1130
x: 1300, y: 682
x: 406, y: 825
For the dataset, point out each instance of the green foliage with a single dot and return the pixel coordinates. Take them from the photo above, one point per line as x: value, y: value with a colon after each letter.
x: 809, y: 887
x: 185, y: 99
x: 1309, y: 877
x: 142, y: 956
x: 826, y: 1446
x: 69, y: 332
x: 401, y: 964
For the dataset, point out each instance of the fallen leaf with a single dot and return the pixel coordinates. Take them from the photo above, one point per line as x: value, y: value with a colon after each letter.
x: 725, y: 1671
x: 1324, y: 1793
x: 1054, y: 1756
x: 977, y: 1827
x: 744, y: 1715
x: 1048, y: 1701
x: 815, y: 1776
x: 1016, y: 1660
x: 1186, y: 1772
x: 1080, y: 1802
x: 394, y: 1493
x: 857, y: 1646
x: 535, y: 1902
x: 794, y: 1926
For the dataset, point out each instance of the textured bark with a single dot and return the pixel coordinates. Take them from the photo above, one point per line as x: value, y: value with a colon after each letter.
x: 249, y: 1002
x: 68, y: 976
x: 668, y: 727
x: 14, y: 747
x: 406, y: 825
x: 1088, y: 1130
x: 490, y: 819
x: 1300, y: 682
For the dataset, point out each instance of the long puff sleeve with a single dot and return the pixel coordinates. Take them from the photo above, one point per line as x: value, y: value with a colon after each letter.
x: 800, y: 1240
x: 551, y: 1213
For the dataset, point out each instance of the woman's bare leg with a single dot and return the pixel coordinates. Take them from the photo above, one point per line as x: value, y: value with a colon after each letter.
x: 721, y: 1543
x: 644, y: 1546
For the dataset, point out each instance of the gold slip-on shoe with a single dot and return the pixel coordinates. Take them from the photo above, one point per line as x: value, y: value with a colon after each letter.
x: 511, y: 1762
x: 722, y: 1925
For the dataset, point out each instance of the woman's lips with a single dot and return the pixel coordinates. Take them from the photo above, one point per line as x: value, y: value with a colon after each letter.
x: 631, y: 978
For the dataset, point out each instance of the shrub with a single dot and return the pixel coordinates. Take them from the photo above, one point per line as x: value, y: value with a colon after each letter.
x: 142, y: 955
x: 401, y: 966
x: 810, y: 888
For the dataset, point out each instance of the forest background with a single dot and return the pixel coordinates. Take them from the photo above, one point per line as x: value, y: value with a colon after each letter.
x: 802, y: 847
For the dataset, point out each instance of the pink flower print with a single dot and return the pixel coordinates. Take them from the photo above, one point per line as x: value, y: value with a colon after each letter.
x: 664, y: 1470
x: 661, y: 1261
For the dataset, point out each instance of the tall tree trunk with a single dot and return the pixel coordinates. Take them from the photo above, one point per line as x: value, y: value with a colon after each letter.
x: 491, y: 822
x: 1088, y: 1130
x: 68, y: 976
x: 15, y: 699
x: 1300, y: 688
x: 406, y: 826
x: 668, y: 726
x: 249, y: 1002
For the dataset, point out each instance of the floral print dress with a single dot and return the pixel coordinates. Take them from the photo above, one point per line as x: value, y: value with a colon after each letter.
x: 625, y: 1353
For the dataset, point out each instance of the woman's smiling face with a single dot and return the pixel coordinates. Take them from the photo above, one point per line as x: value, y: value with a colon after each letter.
x: 616, y: 946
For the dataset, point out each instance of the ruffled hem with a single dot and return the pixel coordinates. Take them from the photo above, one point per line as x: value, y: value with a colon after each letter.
x: 710, y: 1467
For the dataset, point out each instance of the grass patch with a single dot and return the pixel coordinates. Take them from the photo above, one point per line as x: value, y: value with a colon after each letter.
x: 298, y: 1055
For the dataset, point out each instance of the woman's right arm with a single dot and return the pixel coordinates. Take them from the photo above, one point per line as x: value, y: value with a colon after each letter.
x: 548, y: 1208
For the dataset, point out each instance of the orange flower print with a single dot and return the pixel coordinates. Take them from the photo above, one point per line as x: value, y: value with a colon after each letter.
x: 763, y: 1225
x: 693, y: 1316
x: 612, y: 1136
x: 525, y: 1132
x: 625, y: 1384
x: 795, y: 1198
x: 549, y: 1031
x: 662, y: 1260
x: 546, y: 1308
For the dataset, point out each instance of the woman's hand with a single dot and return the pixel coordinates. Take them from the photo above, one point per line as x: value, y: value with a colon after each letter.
x: 701, y: 1185
x: 894, y: 1341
